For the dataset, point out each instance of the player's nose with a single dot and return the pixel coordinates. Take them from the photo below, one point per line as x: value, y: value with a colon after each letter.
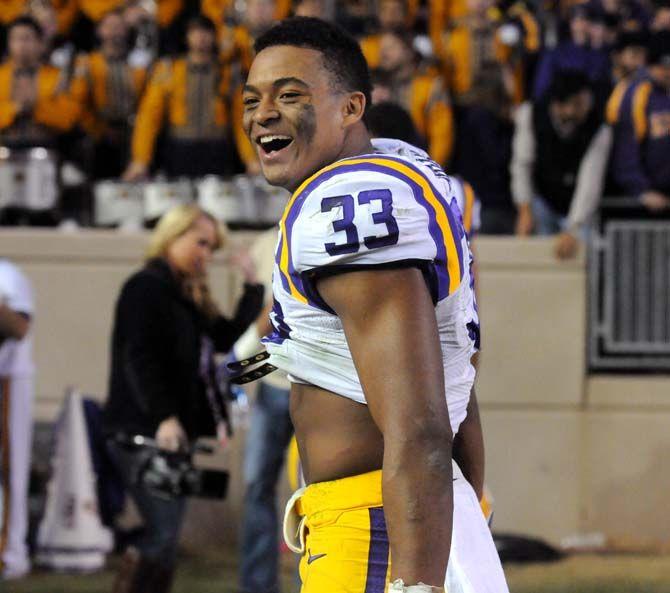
x: 265, y: 112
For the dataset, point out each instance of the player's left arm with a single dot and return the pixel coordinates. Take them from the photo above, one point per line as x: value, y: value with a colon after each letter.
x: 389, y: 321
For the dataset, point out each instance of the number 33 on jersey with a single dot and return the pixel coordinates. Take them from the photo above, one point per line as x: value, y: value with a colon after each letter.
x: 376, y: 210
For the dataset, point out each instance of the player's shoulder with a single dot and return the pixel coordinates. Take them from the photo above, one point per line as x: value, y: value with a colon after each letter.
x: 409, y: 176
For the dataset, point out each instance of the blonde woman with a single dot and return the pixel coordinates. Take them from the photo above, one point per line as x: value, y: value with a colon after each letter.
x: 167, y: 328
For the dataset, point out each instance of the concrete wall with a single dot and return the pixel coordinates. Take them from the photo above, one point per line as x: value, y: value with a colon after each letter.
x: 566, y: 452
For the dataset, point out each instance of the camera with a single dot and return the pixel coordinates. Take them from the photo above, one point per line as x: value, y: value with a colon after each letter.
x: 170, y: 474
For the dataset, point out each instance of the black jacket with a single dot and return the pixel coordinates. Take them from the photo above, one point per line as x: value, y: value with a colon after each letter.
x: 557, y: 159
x: 156, y: 350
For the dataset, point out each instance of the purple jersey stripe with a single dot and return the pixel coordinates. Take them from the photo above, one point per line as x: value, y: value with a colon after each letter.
x: 282, y: 276
x: 378, y: 555
x: 280, y: 329
x: 288, y: 226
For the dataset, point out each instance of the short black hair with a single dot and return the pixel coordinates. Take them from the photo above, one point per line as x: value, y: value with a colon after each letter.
x: 566, y: 84
x: 26, y: 21
x: 390, y: 120
x: 342, y: 56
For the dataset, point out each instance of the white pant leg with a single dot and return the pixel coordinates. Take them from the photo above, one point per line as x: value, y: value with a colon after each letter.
x: 474, y: 564
x: 20, y: 428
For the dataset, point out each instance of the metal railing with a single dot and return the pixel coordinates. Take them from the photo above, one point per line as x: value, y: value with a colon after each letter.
x: 629, y: 279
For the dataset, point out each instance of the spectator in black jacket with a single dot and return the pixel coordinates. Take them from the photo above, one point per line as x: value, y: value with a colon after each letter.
x: 559, y: 158
x: 167, y: 328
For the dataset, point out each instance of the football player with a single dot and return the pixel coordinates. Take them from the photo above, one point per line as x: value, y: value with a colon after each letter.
x: 374, y: 320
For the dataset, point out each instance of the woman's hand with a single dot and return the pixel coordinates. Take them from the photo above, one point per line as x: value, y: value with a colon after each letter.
x: 243, y: 262
x: 171, y: 435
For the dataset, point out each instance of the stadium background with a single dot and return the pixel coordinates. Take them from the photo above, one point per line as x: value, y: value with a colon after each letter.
x: 569, y: 452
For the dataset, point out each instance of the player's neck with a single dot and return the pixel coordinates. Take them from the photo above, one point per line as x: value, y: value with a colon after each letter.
x: 358, y: 143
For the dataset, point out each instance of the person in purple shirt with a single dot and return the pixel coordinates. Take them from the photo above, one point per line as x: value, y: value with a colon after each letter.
x: 643, y: 146
x: 629, y: 69
x: 574, y: 53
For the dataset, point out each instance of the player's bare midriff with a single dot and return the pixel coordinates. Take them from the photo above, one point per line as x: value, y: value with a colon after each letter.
x: 336, y: 436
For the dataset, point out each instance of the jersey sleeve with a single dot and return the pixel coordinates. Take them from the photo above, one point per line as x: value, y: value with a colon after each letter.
x: 371, y: 217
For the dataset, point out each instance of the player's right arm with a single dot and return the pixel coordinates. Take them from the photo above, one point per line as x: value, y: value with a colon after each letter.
x: 390, y: 325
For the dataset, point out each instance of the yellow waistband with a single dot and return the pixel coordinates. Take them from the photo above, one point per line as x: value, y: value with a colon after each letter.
x: 356, y: 492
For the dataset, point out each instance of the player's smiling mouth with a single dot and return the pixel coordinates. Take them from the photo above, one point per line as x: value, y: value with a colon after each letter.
x: 273, y: 143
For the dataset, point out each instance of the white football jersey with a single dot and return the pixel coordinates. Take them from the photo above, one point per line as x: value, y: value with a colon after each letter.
x: 371, y: 211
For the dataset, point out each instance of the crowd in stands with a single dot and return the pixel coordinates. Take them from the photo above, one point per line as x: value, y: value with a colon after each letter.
x: 542, y: 106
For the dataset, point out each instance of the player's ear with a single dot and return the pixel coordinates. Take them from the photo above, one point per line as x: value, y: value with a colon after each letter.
x: 354, y: 108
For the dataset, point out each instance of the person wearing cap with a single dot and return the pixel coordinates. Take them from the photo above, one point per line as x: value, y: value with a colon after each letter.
x: 642, y: 149
x: 190, y: 93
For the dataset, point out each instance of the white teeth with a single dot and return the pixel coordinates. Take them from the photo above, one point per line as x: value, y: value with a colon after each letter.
x: 266, y: 139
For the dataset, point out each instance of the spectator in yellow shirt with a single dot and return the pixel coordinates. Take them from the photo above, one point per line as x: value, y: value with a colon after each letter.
x: 34, y: 105
x: 422, y: 94
x: 186, y: 99
x: 109, y: 89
